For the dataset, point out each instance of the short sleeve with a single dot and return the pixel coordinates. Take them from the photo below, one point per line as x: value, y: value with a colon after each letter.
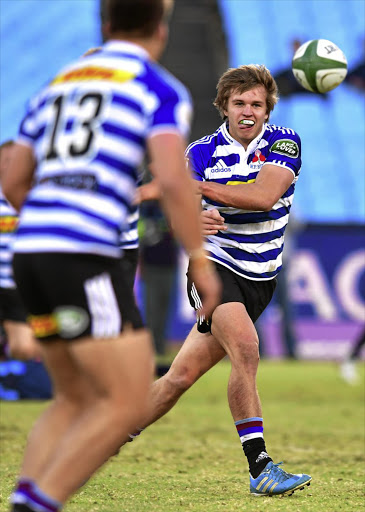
x: 285, y: 151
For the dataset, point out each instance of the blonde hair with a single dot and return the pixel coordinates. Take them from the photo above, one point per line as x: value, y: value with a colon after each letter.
x: 243, y: 79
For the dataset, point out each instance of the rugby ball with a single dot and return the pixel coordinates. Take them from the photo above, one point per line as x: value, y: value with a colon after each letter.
x: 319, y: 65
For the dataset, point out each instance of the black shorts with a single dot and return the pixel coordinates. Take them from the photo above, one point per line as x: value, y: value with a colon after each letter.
x: 11, y: 306
x: 255, y: 295
x: 72, y: 296
x: 129, y: 262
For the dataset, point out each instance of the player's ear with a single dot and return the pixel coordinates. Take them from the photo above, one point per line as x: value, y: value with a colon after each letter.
x: 106, y: 30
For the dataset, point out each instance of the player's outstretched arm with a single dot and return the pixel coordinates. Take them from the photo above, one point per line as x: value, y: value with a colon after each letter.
x: 182, y: 208
x: 17, y: 179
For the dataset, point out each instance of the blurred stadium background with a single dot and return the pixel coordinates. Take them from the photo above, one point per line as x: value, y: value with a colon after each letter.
x: 325, y: 254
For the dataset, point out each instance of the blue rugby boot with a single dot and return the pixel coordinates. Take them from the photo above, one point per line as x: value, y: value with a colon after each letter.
x: 273, y: 481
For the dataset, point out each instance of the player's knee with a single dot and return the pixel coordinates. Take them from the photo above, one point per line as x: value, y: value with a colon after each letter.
x: 246, y: 353
x: 250, y: 352
x: 177, y: 382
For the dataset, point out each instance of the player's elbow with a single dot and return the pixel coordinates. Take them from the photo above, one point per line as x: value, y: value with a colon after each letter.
x: 263, y: 204
x: 267, y: 205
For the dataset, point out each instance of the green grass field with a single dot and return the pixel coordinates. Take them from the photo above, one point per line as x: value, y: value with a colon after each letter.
x: 191, y: 460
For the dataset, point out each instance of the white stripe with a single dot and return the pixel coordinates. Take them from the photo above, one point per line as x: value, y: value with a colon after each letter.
x: 30, y: 243
x: 246, y: 247
x: 251, y: 436
x: 248, y: 266
x: 124, y: 149
x: 105, y: 314
x: 77, y: 199
x: 74, y: 220
x: 195, y: 296
x: 128, y: 118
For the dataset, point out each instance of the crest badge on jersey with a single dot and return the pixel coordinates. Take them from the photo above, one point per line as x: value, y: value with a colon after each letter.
x: 257, y: 161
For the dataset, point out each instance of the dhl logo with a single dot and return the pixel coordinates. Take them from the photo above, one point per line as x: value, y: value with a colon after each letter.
x: 43, y: 325
x: 94, y: 73
x: 8, y: 224
x: 240, y: 182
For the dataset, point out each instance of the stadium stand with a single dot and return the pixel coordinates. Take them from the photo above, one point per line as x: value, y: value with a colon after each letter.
x: 257, y: 31
x: 333, y: 130
x: 38, y: 38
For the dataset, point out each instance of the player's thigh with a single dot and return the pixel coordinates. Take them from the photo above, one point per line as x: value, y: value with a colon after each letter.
x: 235, y: 331
x: 68, y: 381
x: 199, y: 353
x: 118, y: 368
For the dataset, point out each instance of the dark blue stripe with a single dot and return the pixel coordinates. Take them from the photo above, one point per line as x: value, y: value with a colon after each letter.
x: 264, y: 275
x: 290, y: 191
x: 46, y: 100
x: 111, y: 192
x: 60, y: 204
x: 69, y: 125
x: 248, y: 218
x: 229, y: 160
x: 64, y: 232
x: 116, y: 130
x: 238, y: 254
x: 117, y: 164
x: 40, y: 132
x: 251, y: 238
x: 132, y: 225
x: 251, y: 430
x: 126, y: 102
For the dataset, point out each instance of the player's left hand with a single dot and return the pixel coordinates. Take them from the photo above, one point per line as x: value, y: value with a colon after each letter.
x: 212, y: 222
x: 148, y: 192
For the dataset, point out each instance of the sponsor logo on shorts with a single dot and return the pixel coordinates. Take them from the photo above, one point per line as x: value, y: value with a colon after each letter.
x: 8, y: 223
x: 286, y: 147
x: 72, y: 321
x: 43, y: 325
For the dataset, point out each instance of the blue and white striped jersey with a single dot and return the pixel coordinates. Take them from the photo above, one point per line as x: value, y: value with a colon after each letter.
x: 88, y: 130
x: 253, y: 243
x: 8, y: 225
x: 129, y: 238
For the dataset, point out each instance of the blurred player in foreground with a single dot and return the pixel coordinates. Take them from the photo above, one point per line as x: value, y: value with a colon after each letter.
x: 73, y: 176
x: 21, y: 343
x: 246, y: 173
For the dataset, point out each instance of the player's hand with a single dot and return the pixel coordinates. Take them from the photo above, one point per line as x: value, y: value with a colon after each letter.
x: 147, y: 192
x: 211, y: 222
x: 207, y: 283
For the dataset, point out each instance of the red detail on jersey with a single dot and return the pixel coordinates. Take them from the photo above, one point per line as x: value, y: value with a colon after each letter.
x: 258, y: 156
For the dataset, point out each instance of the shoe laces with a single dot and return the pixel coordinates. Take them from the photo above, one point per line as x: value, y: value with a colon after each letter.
x: 279, y: 474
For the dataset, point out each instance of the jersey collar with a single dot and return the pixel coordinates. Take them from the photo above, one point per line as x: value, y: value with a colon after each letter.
x: 115, y: 45
x: 253, y: 144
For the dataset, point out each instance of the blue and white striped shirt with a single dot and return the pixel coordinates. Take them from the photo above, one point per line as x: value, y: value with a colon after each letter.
x: 8, y: 225
x: 88, y: 130
x: 253, y: 243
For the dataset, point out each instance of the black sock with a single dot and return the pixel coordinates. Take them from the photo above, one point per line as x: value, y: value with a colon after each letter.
x: 255, y: 451
x: 20, y: 507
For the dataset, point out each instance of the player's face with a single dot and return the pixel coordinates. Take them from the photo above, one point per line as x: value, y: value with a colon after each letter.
x: 246, y: 113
